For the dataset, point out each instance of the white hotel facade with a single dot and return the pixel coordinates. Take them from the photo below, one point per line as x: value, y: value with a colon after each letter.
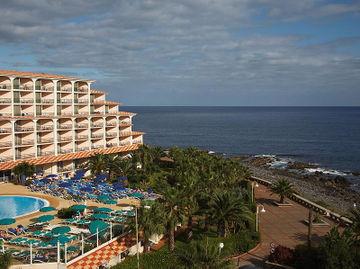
x: 57, y: 122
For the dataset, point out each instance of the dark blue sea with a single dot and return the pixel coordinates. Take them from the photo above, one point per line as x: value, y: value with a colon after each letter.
x: 328, y: 136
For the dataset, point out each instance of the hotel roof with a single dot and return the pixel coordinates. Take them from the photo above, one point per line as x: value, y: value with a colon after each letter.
x: 14, y: 73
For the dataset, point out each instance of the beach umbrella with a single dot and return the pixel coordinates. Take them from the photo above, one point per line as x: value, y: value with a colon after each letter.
x: 7, y: 221
x: 100, y: 216
x: 65, y: 184
x: 103, y: 210
x: 78, y: 207
x: 103, y: 197
x: 60, y: 230
x: 97, y: 225
x: 47, y: 209
x: 73, y: 248
x: 62, y: 239
x: 109, y: 202
x: 45, y: 218
x: 136, y: 195
x: 86, y: 189
x: 45, y: 180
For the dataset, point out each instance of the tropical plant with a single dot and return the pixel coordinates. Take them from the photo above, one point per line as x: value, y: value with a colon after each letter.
x: 5, y: 260
x: 283, y: 188
x: 98, y: 164
x: 200, y: 255
x: 150, y: 222
x: 23, y: 169
x: 226, y: 208
x: 355, y: 227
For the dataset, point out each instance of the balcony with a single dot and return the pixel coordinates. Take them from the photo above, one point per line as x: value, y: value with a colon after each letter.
x: 125, y: 143
x: 97, y: 125
x: 24, y: 100
x: 96, y: 113
x: 81, y: 148
x: 81, y: 137
x: 44, y: 88
x: 5, y: 114
x: 64, y: 151
x: 97, y: 136
x: 97, y: 146
x: 65, y: 126
x: 65, y: 138
x: 5, y: 130
x: 24, y: 129
x: 24, y: 113
x: 111, y: 123
x: 5, y: 86
x: 45, y: 140
x: 24, y: 156
x: 65, y: 101
x: 45, y: 101
x: 65, y: 113
x: 23, y: 87
x: 124, y: 134
x: 24, y: 142
x: 5, y: 159
x: 137, y: 141
x: 65, y: 89
x: 110, y: 145
x: 44, y: 127
x: 46, y: 114
x: 7, y: 144
x: 81, y: 125
x: 46, y: 153
x: 5, y: 100
x: 111, y: 134
x: 82, y: 89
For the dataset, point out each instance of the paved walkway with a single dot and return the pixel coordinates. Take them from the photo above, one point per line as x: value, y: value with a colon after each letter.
x: 281, y: 226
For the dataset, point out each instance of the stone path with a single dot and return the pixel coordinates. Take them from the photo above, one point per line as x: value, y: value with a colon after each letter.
x: 280, y: 226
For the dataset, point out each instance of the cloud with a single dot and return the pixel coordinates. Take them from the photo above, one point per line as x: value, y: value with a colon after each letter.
x: 161, y: 49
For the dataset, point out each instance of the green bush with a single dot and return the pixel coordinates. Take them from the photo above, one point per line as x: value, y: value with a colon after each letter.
x: 305, y: 257
x: 66, y: 213
x: 5, y: 260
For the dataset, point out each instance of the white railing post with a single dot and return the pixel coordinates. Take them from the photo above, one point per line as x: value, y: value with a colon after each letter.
x: 65, y: 254
x: 82, y: 244
x: 111, y: 230
x: 31, y: 254
x: 58, y: 253
x: 97, y: 237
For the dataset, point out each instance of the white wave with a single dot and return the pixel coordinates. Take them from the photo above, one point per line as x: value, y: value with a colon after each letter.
x: 326, y: 171
x: 279, y: 164
x: 265, y: 156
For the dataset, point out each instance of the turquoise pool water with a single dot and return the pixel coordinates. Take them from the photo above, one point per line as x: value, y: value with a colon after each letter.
x: 12, y: 206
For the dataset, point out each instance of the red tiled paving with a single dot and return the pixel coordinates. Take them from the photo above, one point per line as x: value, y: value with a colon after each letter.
x: 281, y: 226
x: 95, y: 259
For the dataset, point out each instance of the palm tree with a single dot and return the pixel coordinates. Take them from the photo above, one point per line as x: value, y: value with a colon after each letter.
x: 5, y: 260
x: 200, y: 255
x: 150, y: 222
x: 173, y: 213
x: 98, y: 164
x: 227, y: 208
x: 283, y: 188
x: 23, y: 169
x: 355, y: 227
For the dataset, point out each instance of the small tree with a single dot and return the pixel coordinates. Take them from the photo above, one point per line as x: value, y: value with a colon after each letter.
x: 23, y: 169
x: 283, y: 188
x: 5, y: 260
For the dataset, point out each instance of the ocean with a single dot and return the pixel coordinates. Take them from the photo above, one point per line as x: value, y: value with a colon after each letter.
x: 327, y: 136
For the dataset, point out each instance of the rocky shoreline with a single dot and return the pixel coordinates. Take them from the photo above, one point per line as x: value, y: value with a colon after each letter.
x: 332, y: 191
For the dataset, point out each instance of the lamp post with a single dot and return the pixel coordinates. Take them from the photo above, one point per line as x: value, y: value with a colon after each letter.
x: 137, y: 238
x: 257, y: 217
x: 253, y: 184
x: 221, y: 246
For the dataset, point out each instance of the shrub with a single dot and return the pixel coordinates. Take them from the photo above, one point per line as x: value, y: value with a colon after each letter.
x: 5, y: 260
x: 282, y: 255
x: 65, y: 213
x: 307, y: 258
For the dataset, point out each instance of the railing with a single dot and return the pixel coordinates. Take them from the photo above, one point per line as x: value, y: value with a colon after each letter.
x: 24, y: 156
x: 65, y: 126
x: 44, y: 127
x: 5, y: 130
x: 81, y: 125
x: 111, y: 134
x: 109, y: 145
x: 5, y: 100
x: 79, y: 137
x: 125, y: 133
x: 125, y: 143
x: 309, y: 204
x: 97, y: 113
x: 6, y: 114
x: 46, y: 153
x: 23, y: 87
x: 64, y: 151
x: 45, y: 140
x: 24, y: 114
x: 6, y: 158
x: 97, y: 146
x: 5, y: 86
x: 125, y: 122
x: 65, y: 138
x: 65, y: 101
x: 97, y: 135
x: 81, y: 101
x: 25, y: 100
x: 5, y: 144
x: 45, y: 101
x: 66, y: 113
x: 65, y: 89
x: 137, y: 141
x: 97, y: 125
x: 24, y: 142
x: 81, y: 148
x: 44, y: 88
x: 47, y: 114
x: 23, y: 129
x: 82, y: 89
x: 111, y: 123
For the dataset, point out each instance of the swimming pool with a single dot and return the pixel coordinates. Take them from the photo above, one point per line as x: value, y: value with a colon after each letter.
x: 13, y: 206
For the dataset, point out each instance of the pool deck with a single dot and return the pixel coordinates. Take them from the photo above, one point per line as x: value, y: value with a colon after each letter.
x: 57, y: 202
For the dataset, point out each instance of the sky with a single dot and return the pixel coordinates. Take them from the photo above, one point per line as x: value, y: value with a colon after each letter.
x: 192, y: 52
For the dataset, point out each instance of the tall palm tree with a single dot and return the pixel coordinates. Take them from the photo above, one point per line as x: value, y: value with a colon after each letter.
x: 98, y: 164
x: 200, y: 255
x: 150, y: 222
x: 23, y: 169
x: 283, y: 188
x: 226, y: 208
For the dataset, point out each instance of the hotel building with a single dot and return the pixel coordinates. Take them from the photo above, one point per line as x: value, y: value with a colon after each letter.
x: 56, y: 122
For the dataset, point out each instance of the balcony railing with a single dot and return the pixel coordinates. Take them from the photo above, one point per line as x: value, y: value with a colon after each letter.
x: 24, y: 113
x: 125, y: 143
x: 23, y: 129
x: 81, y: 137
x: 5, y: 130
x: 65, y: 101
x: 64, y: 151
x: 111, y: 134
x: 96, y: 146
x: 47, y: 114
x: 97, y: 135
x: 111, y: 123
x: 97, y: 125
x: 82, y: 101
x: 5, y: 86
x: 45, y: 140
x: 82, y: 89
x: 65, y: 138
x: 137, y: 141
x: 5, y: 100
x: 23, y: 87
x: 81, y: 148
x: 109, y: 145
x: 5, y: 159
x: 45, y: 101
x: 24, y: 142
x: 97, y: 113
x: 44, y: 127
x: 125, y: 134
x: 5, y: 144
x: 24, y: 156
x: 5, y: 114
x: 44, y: 88
x: 81, y: 125
x: 65, y: 126
x: 125, y: 122
x: 46, y: 153
x: 65, y: 89
x: 26, y: 100
x: 65, y: 113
